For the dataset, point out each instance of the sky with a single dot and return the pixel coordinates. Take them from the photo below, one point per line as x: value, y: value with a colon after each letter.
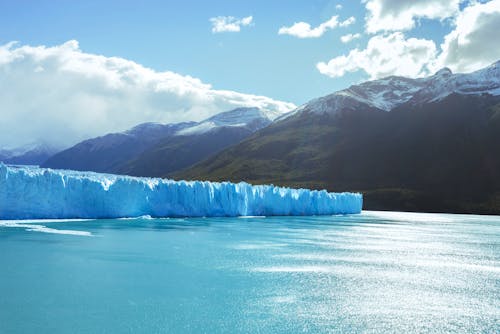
x: 70, y: 70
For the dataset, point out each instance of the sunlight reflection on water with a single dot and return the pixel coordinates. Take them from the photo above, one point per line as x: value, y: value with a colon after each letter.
x: 377, y: 272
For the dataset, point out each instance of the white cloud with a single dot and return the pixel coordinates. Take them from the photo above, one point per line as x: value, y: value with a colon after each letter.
x: 62, y: 95
x: 349, y: 37
x: 348, y: 22
x: 392, y: 15
x: 229, y: 23
x: 304, y: 29
x: 338, y: 7
x: 385, y: 55
x: 471, y: 45
x: 474, y: 43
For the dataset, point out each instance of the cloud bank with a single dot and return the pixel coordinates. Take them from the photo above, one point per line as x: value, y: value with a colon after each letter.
x: 383, y: 56
x: 61, y: 95
x: 392, y: 15
x: 472, y: 43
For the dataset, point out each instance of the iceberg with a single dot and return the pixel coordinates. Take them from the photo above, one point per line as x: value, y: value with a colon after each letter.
x: 28, y: 192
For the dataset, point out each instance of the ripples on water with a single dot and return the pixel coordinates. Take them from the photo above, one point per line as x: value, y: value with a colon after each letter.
x: 377, y: 272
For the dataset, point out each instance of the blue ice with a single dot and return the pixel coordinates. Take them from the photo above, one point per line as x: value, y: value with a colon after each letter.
x: 32, y: 192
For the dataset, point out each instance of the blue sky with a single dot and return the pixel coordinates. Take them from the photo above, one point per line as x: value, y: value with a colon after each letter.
x: 176, y: 36
x: 54, y: 74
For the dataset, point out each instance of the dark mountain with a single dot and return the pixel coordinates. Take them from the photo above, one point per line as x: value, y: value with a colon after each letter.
x: 109, y: 152
x: 28, y: 155
x: 430, y: 144
x: 193, y: 144
x: 153, y: 149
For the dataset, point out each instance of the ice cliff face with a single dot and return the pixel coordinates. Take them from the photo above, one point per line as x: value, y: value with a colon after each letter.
x: 31, y: 192
x: 388, y: 93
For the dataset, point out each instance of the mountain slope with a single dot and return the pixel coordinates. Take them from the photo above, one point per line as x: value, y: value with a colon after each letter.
x: 429, y: 144
x: 440, y: 156
x: 152, y: 149
x: 195, y: 143
x: 28, y: 155
x: 391, y: 92
x: 106, y: 153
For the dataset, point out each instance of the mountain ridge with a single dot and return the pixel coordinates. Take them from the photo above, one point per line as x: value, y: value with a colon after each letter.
x: 32, y: 154
x: 433, y: 147
x: 119, y: 152
x: 392, y: 91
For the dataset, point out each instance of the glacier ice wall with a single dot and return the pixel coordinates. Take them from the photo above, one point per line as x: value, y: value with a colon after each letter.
x: 32, y: 192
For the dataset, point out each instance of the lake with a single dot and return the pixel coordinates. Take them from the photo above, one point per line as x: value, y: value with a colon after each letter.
x: 376, y: 272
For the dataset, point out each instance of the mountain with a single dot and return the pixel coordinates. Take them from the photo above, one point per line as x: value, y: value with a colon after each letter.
x: 106, y: 153
x: 428, y: 144
x: 388, y: 93
x: 34, y: 154
x: 6, y: 154
x: 197, y: 142
x: 150, y: 147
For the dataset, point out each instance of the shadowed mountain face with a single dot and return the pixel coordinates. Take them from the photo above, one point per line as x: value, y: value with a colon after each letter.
x: 109, y: 152
x: 153, y: 149
x: 435, y: 156
x: 28, y: 155
x: 426, y: 144
x: 177, y: 152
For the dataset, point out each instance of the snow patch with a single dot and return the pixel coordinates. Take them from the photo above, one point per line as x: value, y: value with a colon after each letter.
x: 197, y: 129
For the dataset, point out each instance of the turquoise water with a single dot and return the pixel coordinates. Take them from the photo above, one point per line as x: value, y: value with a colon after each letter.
x: 375, y: 272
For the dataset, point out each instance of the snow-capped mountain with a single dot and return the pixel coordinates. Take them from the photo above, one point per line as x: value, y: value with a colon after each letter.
x: 102, y: 154
x: 393, y: 91
x: 196, y: 142
x: 6, y: 154
x: 142, y: 148
x: 145, y: 132
x: 444, y: 83
x: 32, y: 154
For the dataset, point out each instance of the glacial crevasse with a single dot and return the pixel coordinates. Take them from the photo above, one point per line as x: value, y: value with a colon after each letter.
x: 32, y: 192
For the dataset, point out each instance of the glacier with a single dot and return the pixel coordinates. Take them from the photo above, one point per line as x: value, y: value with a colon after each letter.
x: 28, y: 192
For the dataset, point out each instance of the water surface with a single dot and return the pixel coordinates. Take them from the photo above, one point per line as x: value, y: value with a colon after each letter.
x: 378, y: 272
